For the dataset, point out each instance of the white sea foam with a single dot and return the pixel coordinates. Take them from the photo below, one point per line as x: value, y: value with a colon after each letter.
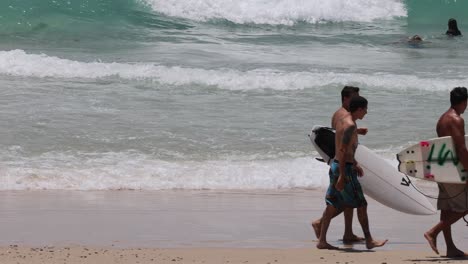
x: 113, y: 171
x: 130, y: 170
x: 19, y: 63
x: 133, y: 170
x: 284, y: 12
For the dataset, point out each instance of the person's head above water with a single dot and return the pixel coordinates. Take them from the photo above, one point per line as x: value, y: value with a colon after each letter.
x: 453, y: 28
x: 452, y: 24
x: 415, y: 39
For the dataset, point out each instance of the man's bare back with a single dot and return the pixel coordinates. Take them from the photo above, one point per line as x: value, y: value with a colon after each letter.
x: 338, y: 115
x: 450, y: 123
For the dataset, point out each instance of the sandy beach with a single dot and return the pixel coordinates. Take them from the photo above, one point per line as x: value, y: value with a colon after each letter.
x: 55, y: 255
x: 178, y: 131
x: 198, y: 227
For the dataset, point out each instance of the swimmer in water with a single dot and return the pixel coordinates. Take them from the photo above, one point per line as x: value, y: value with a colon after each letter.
x: 453, y: 28
x: 416, y: 39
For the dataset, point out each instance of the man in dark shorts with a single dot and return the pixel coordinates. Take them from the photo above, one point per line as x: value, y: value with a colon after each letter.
x: 453, y: 198
x: 352, y: 195
x: 344, y: 190
x: 347, y: 93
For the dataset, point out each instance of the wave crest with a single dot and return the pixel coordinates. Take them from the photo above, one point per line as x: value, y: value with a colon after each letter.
x: 280, y: 12
x: 19, y: 63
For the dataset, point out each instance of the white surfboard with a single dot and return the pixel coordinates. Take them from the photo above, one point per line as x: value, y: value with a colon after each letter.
x: 433, y: 160
x: 381, y: 181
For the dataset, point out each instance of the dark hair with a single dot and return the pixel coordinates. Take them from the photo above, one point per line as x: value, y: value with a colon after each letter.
x: 453, y: 28
x: 348, y: 91
x: 416, y: 38
x: 452, y: 24
x: 458, y: 95
x: 356, y: 103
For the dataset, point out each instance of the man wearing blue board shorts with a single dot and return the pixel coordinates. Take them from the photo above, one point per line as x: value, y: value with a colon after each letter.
x: 344, y: 190
x: 347, y: 93
x: 352, y: 195
x: 453, y: 198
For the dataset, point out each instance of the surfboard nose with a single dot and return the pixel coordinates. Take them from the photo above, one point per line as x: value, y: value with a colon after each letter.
x: 422, y: 209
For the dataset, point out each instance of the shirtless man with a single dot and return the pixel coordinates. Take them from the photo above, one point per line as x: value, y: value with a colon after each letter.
x: 345, y: 190
x: 452, y: 197
x: 346, y: 94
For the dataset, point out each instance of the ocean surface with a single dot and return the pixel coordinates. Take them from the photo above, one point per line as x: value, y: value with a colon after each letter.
x: 212, y: 94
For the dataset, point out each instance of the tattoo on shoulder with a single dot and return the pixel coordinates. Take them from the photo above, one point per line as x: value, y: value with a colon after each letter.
x: 348, y: 134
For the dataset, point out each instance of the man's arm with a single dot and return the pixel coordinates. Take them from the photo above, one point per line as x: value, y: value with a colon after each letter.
x: 362, y: 131
x: 457, y: 128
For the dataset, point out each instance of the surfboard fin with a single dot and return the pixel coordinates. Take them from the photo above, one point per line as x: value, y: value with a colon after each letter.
x: 320, y: 159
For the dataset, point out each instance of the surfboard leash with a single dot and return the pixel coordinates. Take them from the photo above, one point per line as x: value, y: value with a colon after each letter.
x: 438, y: 198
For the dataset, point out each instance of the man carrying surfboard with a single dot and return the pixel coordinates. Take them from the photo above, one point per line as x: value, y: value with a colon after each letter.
x: 453, y: 198
x: 344, y: 190
x: 346, y: 94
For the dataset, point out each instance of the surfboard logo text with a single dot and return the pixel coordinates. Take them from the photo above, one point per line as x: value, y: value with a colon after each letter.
x: 443, y: 156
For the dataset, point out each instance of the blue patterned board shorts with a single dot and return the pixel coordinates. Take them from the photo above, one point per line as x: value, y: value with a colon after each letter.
x: 351, y: 196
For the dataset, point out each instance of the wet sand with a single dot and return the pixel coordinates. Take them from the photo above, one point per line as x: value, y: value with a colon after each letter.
x: 199, y: 226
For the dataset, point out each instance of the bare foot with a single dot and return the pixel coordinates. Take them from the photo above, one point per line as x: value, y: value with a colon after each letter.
x: 456, y: 253
x: 432, y: 242
x: 352, y: 239
x: 375, y: 243
x: 316, y: 227
x: 325, y: 245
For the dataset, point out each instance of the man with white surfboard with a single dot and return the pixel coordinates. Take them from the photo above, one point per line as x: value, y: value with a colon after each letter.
x: 346, y: 94
x: 453, y: 198
x: 344, y: 190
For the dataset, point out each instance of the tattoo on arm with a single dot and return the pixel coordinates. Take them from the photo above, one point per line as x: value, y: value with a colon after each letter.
x: 348, y: 134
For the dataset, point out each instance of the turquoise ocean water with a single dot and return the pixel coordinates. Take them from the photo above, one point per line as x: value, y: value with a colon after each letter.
x: 211, y: 94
